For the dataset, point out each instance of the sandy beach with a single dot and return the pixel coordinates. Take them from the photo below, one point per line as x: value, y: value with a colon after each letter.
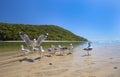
x: 103, y: 62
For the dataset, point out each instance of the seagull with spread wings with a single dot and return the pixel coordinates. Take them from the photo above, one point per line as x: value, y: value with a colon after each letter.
x: 35, y: 42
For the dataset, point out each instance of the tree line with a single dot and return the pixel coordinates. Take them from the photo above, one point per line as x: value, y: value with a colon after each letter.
x: 11, y: 32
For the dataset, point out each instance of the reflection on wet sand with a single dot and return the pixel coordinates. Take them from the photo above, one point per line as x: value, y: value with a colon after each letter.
x: 103, y: 62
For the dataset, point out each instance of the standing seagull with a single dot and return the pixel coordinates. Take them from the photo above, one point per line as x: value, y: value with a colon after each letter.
x: 61, y: 50
x: 70, y: 49
x: 89, y: 48
x: 52, y: 50
x: 25, y: 51
x: 35, y: 42
x: 41, y: 51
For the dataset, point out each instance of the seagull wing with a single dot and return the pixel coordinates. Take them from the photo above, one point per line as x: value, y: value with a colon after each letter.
x: 25, y: 38
x: 41, y: 38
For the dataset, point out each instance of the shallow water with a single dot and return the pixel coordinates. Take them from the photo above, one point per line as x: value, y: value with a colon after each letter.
x: 15, y: 46
x: 104, y: 61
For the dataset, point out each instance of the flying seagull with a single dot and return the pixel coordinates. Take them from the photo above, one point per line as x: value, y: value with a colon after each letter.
x: 35, y: 42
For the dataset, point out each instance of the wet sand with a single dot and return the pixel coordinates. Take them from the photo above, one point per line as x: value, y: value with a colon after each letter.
x: 103, y: 62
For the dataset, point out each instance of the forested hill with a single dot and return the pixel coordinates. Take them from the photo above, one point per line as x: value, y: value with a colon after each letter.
x: 10, y: 32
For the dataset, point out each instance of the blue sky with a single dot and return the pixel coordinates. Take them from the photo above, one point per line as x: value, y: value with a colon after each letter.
x: 92, y: 19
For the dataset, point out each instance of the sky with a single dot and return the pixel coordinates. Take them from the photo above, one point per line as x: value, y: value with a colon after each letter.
x: 92, y: 19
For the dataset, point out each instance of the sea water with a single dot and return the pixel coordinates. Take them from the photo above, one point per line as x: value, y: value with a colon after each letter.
x: 101, y: 44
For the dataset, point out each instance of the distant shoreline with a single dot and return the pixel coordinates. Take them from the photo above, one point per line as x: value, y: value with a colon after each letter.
x: 45, y: 41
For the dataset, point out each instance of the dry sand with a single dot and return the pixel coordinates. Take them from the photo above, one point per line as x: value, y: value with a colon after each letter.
x: 103, y: 62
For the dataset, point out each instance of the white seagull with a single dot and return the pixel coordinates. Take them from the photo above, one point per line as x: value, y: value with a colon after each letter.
x: 35, y: 42
x: 25, y: 51
x: 89, y: 48
x: 41, y: 51
x: 52, y: 49
x: 70, y: 49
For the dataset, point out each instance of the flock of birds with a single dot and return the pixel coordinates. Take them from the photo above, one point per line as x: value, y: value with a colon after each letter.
x: 36, y: 43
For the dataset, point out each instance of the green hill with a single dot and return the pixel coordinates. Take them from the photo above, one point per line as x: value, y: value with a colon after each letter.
x: 10, y: 32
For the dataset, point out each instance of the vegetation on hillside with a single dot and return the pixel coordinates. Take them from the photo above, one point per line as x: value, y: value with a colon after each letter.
x: 10, y: 32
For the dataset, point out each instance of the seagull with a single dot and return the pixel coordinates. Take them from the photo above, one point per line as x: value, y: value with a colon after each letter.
x: 35, y: 42
x: 71, y: 46
x: 70, y: 49
x: 52, y: 49
x: 89, y: 48
x: 41, y: 51
x: 61, y: 49
x: 25, y: 51
x: 35, y: 49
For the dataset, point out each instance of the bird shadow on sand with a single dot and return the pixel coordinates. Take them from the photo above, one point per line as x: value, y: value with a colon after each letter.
x: 20, y: 55
x: 38, y: 58
x: 29, y: 60
x: 59, y: 55
x: 48, y: 55
x: 85, y: 55
x: 26, y: 59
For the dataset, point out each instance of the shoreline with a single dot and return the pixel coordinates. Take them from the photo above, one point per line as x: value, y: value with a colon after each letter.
x: 45, y: 41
